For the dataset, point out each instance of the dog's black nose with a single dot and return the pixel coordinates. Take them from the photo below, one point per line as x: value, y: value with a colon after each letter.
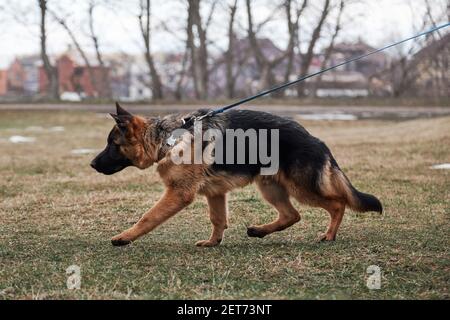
x: 93, y: 163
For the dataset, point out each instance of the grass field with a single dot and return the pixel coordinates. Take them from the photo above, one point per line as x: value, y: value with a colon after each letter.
x: 55, y: 211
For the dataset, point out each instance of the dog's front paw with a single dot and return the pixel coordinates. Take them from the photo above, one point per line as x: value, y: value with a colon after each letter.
x: 255, y: 232
x: 208, y: 243
x: 325, y: 237
x: 119, y: 241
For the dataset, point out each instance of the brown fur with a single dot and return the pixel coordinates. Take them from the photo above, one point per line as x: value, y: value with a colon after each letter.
x: 133, y: 144
x: 143, y: 145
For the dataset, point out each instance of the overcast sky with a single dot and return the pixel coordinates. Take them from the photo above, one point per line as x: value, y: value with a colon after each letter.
x: 377, y: 22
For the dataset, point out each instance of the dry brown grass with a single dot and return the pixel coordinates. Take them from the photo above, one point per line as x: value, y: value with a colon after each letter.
x: 55, y: 211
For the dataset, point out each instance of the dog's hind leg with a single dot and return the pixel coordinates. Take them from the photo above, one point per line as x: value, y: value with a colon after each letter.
x: 336, y: 209
x: 277, y: 196
x: 218, y: 215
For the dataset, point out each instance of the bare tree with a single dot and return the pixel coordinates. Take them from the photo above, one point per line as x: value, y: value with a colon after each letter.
x: 265, y: 64
x: 198, y: 50
x: 229, y: 56
x: 405, y: 71
x: 145, y: 27
x: 448, y: 10
x: 106, y: 87
x: 62, y: 21
x: 50, y: 70
x: 293, y: 11
x: 308, y: 56
x: 330, y: 48
x: 181, y: 75
x: 293, y: 26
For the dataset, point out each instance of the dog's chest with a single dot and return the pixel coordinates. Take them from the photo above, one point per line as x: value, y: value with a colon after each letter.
x: 222, y: 183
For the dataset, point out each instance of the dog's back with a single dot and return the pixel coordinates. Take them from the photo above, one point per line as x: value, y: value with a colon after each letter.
x: 306, y: 165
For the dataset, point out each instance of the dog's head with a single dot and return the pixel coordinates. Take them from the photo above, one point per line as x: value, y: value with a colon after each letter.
x: 129, y: 143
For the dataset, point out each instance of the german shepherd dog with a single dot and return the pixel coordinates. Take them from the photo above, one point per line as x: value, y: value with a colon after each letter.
x: 307, y: 172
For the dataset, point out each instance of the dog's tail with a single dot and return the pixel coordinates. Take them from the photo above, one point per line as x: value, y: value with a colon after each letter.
x: 364, y: 202
x: 356, y: 200
x: 341, y: 186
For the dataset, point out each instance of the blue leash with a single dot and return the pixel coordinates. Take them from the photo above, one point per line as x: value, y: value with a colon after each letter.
x: 282, y: 86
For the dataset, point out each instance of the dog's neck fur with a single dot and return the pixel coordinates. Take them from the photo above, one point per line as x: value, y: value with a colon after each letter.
x: 158, y: 130
x: 156, y: 133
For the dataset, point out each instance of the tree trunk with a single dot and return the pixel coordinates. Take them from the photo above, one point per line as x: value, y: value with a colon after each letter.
x: 267, y: 66
x: 292, y: 32
x: 260, y: 59
x: 230, y: 53
x: 156, y: 85
x: 292, y: 25
x: 106, y: 85
x: 50, y: 71
x: 192, y: 52
x: 179, y: 88
x: 307, y: 58
x: 199, y: 55
x: 80, y: 50
x: 330, y: 47
x: 266, y: 75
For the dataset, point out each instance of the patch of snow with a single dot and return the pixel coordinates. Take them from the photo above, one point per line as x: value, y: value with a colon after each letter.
x: 70, y: 96
x: 56, y: 129
x: 21, y: 139
x: 441, y: 166
x: 328, y: 116
x: 83, y: 151
x: 34, y: 128
x: 41, y: 129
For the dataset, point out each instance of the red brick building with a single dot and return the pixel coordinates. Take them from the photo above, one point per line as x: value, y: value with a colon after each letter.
x: 15, y: 77
x: 22, y: 76
x: 87, y: 81
x: 3, y: 82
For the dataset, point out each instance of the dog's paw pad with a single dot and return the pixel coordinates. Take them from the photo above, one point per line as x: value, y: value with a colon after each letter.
x: 119, y: 242
x: 255, y: 233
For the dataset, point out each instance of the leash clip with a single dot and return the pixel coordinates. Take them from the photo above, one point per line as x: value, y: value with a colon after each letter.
x: 208, y: 114
x: 172, y: 140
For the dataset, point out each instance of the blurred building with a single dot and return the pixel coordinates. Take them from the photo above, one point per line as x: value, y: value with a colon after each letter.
x: 22, y: 76
x: 3, y: 82
x: 173, y: 68
x: 246, y: 72
x: 367, y: 66
x: 120, y: 75
x: 129, y: 77
x: 86, y: 81
x: 425, y: 73
x: 126, y: 77
x: 26, y: 78
x: 355, y: 79
x: 352, y: 80
x: 432, y: 66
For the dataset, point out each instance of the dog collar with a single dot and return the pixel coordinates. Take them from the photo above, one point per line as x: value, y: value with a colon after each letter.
x: 171, y: 141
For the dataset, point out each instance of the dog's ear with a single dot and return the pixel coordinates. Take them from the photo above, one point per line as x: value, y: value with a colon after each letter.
x: 122, y: 118
x: 122, y: 122
x: 121, y: 111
